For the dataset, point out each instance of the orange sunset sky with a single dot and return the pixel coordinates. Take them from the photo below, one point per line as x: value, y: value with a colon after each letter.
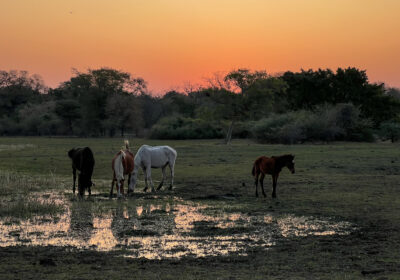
x: 170, y: 43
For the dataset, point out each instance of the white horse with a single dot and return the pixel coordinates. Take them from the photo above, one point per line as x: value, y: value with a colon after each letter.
x: 148, y: 157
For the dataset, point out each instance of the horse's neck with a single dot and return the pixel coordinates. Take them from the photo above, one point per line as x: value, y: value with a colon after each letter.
x: 137, y: 161
x: 279, y: 163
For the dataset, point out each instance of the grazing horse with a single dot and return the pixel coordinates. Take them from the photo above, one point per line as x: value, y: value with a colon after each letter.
x: 83, y: 161
x: 148, y: 157
x: 273, y: 165
x: 122, y: 164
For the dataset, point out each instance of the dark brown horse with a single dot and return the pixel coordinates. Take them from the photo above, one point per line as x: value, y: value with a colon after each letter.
x: 273, y: 166
x: 122, y: 164
x: 83, y: 161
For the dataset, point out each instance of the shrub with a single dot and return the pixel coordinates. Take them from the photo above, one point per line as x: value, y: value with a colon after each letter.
x: 186, y: 128
x: 340, y: 122
x: 390, y: 130
x: 241, y: 129
x: 39, y: 119
x: 277, y: 129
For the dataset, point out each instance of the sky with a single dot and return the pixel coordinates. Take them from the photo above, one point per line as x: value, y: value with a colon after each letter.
x: 175, y: 43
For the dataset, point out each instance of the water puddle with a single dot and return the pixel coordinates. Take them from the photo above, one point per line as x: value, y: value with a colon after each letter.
x: 158, y: 231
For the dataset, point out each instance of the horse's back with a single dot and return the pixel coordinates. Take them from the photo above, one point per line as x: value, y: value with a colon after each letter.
x: 265, y: 164
x: 128, y: 162
x: 155, y: 155
x: 82, y: 158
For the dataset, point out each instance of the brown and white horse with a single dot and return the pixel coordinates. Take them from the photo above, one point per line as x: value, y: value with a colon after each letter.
x: 122, y: 164
x: 273, y: 166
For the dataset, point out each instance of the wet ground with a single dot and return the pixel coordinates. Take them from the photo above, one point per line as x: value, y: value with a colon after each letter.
x: 161, y: 228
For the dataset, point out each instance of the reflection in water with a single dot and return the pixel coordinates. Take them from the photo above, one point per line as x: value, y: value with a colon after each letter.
x: 81, y: 222
x: 163, y: 231
x: 303, y: 226
x: 102, y: 238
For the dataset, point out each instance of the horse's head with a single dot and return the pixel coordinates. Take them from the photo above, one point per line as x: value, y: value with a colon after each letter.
x: 71, y: 153
x: 290, y: 163
x: 85, y: 182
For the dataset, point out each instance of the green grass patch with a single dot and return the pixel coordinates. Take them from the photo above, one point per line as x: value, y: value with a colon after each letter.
x: 23, y: 207
x: 353, y: 182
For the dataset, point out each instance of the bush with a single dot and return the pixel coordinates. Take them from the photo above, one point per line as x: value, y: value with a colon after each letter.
x: 390, y: 130
x: 278, y: 129
x: 186, y: 128
x: 340, y: 122
x: 241, y: 129
x: 9, y: 126
x: 39, y: 119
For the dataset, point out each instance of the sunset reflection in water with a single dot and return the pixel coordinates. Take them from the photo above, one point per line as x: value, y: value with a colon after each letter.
x: 158, y: 231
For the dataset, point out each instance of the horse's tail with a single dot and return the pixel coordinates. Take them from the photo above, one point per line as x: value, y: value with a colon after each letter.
x: 118, y: 166
x: 256, y: 167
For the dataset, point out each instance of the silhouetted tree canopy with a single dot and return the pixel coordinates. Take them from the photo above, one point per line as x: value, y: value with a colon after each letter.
x: 242, y: 103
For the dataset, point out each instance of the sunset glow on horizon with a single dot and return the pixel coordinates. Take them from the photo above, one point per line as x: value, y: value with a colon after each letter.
x: 171, y: 43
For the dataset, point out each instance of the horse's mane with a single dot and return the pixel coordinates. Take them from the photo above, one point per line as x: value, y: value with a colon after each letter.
x: 122, y: 153
x: 126, y: 142
x: 283, y: 158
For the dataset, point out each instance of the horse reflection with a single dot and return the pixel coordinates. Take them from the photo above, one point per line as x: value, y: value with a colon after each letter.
x: 81, y: 225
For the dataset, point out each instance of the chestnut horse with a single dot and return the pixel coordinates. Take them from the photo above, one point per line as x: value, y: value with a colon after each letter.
x: 273, y: 166
x: 122, y: 164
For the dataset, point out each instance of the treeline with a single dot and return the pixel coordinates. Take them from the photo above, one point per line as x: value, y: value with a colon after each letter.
x: 320, y: 105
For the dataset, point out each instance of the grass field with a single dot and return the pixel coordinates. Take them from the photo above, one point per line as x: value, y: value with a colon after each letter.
x: 337, y: 217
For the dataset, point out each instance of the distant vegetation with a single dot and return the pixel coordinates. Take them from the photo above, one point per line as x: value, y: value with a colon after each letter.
x: 320, y: 105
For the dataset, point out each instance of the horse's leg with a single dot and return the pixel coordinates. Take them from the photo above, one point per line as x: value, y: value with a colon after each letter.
x: 79, y: 186
x: 145, y: 180
x: 262, y: 183
x: 274, y: 181
x: 163, y: 178
x: 112, y: 187
x: 129, y: 180
x: 256, y: 183
x: 122, y: 187
x: 148, y: 175
x: 118, y: 188
x: 74, y: 179
x: 171, y: 169
x: 90, y: 190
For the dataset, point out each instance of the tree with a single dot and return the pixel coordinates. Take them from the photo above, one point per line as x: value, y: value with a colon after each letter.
x: 393, y: 92
x: 178, y: 103
x: 93, y: 89
x: 244, y: 78
x: 69, y: 111
x: 18, y: 88
x: 123, y: 113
